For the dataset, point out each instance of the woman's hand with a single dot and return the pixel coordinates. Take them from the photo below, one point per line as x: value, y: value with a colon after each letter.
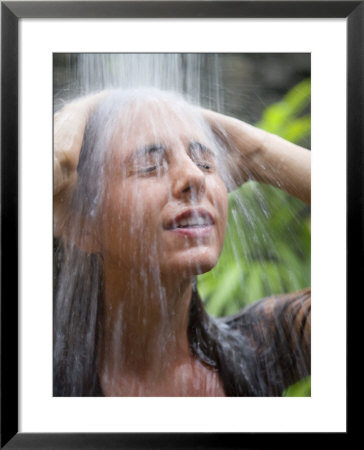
x: 258, y: 155
x: 69, y: 127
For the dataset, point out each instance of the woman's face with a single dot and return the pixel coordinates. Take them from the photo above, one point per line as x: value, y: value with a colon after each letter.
x: 165, y: 205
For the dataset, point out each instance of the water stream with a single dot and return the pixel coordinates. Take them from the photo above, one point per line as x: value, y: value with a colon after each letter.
x: 120, y: 201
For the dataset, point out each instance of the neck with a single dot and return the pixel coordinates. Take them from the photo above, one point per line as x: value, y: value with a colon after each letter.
x: 144, y: 323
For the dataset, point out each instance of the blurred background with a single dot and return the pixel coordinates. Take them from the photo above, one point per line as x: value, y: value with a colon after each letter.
x: 240, y: 84
x: 268, y: 244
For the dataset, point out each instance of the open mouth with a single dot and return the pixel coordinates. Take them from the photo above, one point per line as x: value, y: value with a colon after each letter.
x: 193, y: 222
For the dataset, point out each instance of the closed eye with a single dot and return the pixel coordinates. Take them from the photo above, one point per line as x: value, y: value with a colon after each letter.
x: 204, y: 166
x: 155, y: 168
x: 149, y: 169
x: 202, y: 156
x: 150, y: 159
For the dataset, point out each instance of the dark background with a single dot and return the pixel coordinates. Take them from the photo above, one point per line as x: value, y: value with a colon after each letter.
x: 248, y: 82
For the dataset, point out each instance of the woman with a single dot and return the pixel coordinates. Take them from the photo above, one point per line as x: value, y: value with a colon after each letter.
x: 141, y: 182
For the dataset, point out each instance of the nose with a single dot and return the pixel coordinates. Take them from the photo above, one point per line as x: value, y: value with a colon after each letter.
x: 187, y: 179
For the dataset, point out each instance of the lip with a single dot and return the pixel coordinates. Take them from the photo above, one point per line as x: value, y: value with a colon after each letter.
x: 197, y: 231
x: 193, y: 232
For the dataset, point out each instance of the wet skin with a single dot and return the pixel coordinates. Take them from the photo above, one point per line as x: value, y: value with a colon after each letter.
x: 165, y: 205
x: 163, y: 221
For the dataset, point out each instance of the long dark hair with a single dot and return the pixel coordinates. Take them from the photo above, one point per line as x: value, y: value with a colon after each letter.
x: 78, y: 275
x: 78, y: 282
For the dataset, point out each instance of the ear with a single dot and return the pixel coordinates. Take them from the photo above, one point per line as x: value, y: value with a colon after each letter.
x: 82, y: 232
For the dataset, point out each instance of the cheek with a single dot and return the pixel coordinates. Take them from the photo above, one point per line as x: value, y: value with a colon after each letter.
x: 130, y: 218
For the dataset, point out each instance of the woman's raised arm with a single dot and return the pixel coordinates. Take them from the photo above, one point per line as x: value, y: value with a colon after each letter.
x: 262, y: 156
x: 68, y: 131
x: 69, y: 127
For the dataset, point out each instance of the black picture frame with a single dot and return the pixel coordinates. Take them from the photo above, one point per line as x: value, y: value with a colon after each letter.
x: 11, y: 13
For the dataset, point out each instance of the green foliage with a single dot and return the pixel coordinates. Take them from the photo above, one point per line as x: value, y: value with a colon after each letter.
x: 266, y: 251
x: 285, y: 117
x: 268, y: 242
x: 300, y: 389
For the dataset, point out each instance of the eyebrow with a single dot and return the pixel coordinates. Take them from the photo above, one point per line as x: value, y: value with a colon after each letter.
x: 147, y: 150
x: 161, y: 149
x: 153, y: 148
x: 201, y: 147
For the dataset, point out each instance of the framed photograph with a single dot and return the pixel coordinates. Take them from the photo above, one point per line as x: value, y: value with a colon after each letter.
x: 269, y: 64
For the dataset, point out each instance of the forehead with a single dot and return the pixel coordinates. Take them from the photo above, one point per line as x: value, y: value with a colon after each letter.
x: 157, y: 121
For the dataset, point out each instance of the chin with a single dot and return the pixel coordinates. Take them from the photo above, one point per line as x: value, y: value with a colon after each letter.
x: 193, y: 262
x: 203, y: 266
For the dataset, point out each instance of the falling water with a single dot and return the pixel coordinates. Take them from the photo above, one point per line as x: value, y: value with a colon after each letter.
x: 252, y: 265
x: 197, y: 76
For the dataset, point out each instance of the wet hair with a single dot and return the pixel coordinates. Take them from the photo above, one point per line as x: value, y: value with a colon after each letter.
x: 258, y: 352
x: 78, y: 275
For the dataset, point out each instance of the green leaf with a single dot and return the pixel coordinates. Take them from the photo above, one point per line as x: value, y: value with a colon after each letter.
x: 225, y: 292
x: 267, y: 245
x: 283, y: 118
x: 297, y: 129
x: 300, y: 389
